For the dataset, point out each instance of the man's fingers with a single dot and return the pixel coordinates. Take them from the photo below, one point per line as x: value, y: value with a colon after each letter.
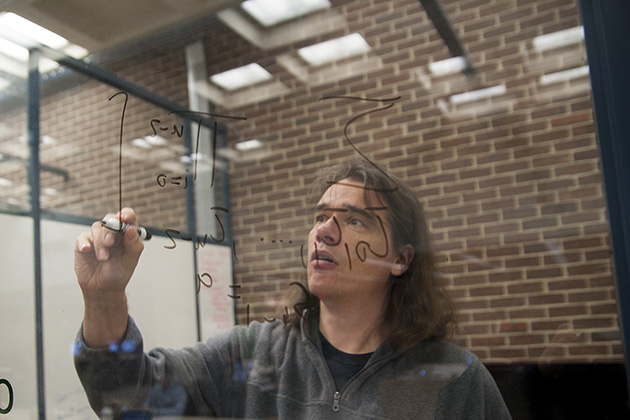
x: 102, y: 239
x: 133, y: 248
x: 127, y: 215
x: 83, y: 243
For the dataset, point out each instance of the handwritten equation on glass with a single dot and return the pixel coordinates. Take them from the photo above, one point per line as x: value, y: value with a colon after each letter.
x: 9, y: 405
x: 205, y: 279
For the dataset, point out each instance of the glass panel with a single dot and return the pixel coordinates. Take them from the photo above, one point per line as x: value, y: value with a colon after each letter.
x: 82, y: 118
x: 18, y: 359
x: 18, y: 375
x: 484, y: 111
x: 14, y: 154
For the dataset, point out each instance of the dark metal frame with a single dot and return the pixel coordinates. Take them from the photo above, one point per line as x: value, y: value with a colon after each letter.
x: 606, y: 38
x: 607, y: 33
x: 440, y: 20
x: 35, y: 168
x: 33, y: 178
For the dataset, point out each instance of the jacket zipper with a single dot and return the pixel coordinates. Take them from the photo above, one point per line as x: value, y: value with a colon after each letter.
x: 336, y: 397
x: 337, y: 394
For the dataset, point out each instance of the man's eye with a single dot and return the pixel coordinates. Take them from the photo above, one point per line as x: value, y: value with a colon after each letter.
x: 356, y: 222
x: 320, y: 218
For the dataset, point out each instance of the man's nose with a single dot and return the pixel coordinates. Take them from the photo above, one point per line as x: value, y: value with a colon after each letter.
x: 329, y: 232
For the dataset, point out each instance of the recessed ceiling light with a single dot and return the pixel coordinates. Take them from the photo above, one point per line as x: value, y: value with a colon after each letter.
x: 76, y: 51
x: 244, y: 146
x: 5, y: 182
x: 448, y: 66
x: 141, y: 143
x: 47, y: 140
x: 46, y: 65
x: 559, y: 39
x: 13, y: 67
x: 477, y: 95
x: 562, y: 76
x: 272, y: 12
x: 241, y: 77
x: 4, y: 83
x: 335, y: 49
x: 192, y: 157
x: 26, y: 28
x: 13, y: 50
x: 156, y: 140
x: 16, y: 65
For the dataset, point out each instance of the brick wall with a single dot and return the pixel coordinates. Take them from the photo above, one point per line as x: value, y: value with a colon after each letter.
x: 511, y: 185
x: 84, y: 125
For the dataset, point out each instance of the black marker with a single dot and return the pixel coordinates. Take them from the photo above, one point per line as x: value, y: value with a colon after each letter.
x: 113, y: 224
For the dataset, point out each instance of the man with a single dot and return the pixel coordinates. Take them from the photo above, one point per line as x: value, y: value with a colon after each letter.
x: 366, y: 340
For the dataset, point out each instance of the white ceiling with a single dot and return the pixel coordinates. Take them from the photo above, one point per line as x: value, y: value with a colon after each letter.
x: 99, y: 25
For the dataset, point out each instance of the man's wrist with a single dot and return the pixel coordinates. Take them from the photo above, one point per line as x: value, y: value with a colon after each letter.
x: 105, y: 318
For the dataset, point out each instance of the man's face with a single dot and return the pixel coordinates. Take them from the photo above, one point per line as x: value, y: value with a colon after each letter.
x: 350, y: 245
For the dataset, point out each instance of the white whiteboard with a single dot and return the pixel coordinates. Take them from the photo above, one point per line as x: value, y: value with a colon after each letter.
x: 161, y: 296
x: 17, y: 317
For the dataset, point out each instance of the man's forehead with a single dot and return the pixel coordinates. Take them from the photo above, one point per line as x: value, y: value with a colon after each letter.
x: 350, y: 195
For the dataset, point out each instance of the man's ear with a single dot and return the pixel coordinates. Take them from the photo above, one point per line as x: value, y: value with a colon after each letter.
x: 405, y: 256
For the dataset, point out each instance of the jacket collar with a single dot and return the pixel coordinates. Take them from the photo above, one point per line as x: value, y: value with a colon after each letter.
x: 309, y: 327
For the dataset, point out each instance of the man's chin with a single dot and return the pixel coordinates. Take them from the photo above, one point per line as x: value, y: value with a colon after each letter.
x: 318, y: 290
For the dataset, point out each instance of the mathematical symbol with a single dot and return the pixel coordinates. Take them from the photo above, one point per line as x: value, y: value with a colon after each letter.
x: 175, y: 181
x: 200, y: 281
x: 234, y: 286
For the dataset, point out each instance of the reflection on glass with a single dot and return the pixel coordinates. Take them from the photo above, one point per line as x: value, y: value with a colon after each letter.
x: 14, y: 153
x: 168, y: 397
x: 498, y: 143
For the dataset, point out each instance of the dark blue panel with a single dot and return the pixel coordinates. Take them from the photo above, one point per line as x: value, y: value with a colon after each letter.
x: 608, y: 47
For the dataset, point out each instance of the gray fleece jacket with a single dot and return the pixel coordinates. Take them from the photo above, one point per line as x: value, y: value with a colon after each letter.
x: 269, y: 371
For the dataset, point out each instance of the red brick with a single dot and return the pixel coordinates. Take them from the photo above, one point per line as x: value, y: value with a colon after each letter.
x: 538, y: 153
x: 528, y: 339
x: 507, y: 353
x: 507, y: 302
x: 546, y: 299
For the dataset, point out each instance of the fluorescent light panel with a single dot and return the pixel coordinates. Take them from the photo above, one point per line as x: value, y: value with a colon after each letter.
x: 272, y: 12
x: 148, y: 142
x: 191, y: 157
x: 244, y: 146
x: 241, y: 77
x: 335, y: 49
x: 13, y: 50
x: 17, y: 35
x: 31, y: 30
x: 448, y: 66
x: 13, y: 67
x: 477, y: 95
x: 48, y: 141
x: 562, y: 76
x: 46, y: 65
x: 155, y: 140
x: 141, y: 143
x: 559, y: 39
x: 76, y: 51
x: 4, y: 83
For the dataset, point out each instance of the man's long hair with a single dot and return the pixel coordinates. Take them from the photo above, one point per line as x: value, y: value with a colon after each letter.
x: 418, y: 306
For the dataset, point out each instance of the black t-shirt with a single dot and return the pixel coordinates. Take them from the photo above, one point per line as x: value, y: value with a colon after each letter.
x: 343, y: 366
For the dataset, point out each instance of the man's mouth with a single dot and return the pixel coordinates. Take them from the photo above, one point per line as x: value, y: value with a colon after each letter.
x: 323, y: 256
